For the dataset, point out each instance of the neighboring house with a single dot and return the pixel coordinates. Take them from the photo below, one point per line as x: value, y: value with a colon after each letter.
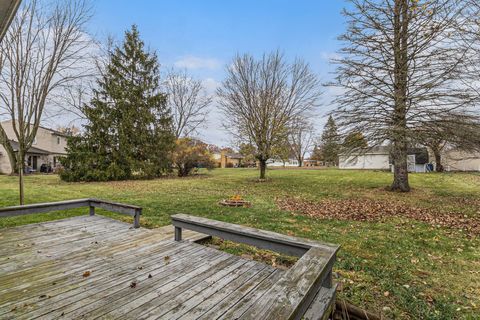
x: 455, y: 160
x: 48, y: 146
x: 228, y: 160
x: 275, y: 162
x: 311, y: 163
x: 378, y: 158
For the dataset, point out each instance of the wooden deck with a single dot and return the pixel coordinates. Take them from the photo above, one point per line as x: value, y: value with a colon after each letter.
x: 133, y: 273
x: 93, y: 267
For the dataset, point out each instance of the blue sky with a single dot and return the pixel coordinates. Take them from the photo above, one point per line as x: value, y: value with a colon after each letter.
x: 203, y: 35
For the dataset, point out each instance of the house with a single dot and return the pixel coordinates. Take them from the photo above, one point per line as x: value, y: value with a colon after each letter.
x: 378, y: 158
x: 311, y: 163
x: 46, y: 149
x: 277, y: 162
x: 226, y: 159
x: 456, y: 160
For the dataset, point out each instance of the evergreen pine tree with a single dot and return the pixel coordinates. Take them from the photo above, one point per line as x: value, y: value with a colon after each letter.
x: 129, y: 130
x: 330, y: 142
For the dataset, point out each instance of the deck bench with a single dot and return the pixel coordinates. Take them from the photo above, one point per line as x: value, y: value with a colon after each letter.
x: 305, y: 291
x: 92, y: 203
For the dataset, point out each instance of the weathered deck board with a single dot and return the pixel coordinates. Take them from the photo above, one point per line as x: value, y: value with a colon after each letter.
x: 133, y: 274
x: 136, y: 273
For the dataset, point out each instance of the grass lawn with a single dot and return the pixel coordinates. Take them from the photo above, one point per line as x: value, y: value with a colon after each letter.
x: 400, y: 267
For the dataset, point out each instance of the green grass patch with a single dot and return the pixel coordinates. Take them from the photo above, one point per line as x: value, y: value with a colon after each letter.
x: 400, y: 268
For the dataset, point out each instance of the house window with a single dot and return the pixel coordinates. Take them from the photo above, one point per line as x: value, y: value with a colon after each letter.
x: 58, y: 140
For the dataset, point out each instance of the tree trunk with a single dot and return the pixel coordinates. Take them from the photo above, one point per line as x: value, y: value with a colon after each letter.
x: 400, y: 168
x: 21, y: 169
x: 438, y: 160
x: 263, y: 168
x: 399, y: 130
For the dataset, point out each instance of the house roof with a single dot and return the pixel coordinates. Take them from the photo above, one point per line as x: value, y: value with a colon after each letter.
x: 14, y: 145
x: 234, y: 156
x: 380, y: 150
x: 55, y: 132
x: 8, y: 8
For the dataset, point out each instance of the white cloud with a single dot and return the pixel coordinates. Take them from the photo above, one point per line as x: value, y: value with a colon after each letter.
x: 328, y: 56
x: 192, y: 62
x: 210, y: 85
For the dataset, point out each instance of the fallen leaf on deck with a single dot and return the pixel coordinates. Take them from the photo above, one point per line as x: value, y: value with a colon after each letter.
x: 86, y: 274
x: 149, y: 276
x: 166, y: 259
x: 133, y: 284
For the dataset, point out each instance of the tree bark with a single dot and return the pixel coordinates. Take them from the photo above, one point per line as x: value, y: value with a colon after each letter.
x: 21, y: 170
x: 399, y: 136
x: 438, y: 160
x: 400, y: 168
x: 263, y: 168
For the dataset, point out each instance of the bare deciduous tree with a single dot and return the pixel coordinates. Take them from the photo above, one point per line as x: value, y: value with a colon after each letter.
x: 43, y: 52
x: 261, y: 98
x: 458, y: 131
x: 188, y: 101
x: 301, y: 138
x: 401, y: 66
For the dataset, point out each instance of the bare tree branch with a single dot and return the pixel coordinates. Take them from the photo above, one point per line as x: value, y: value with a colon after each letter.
x: 261, y: 98
x: 43, y: 51
x: 402, y: 65
x: 188, y: 101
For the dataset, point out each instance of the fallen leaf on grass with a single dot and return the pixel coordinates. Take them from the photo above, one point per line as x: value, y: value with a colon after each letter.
x: 379, y: 210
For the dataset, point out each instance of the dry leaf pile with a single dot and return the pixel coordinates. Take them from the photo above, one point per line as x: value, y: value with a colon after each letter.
x: 379, y: 210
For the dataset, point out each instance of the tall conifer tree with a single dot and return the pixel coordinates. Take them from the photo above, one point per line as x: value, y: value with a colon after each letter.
x: 129, y: 132
x: 330, y: 142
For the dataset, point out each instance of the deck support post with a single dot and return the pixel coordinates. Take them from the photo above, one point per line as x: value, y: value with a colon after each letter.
x: 136, y: 218
x: 178, y: 234
x: 92, y: 210
x: 328, y: 281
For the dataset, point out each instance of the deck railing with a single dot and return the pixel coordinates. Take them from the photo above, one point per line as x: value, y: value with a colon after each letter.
x: 306, y: 290
x: 92, y: 203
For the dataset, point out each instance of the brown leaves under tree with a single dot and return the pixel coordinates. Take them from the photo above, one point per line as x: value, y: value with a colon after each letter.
x: 373, y: 210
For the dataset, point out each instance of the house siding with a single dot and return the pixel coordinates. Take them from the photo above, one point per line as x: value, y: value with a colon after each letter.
x: 367, y: 161
x: 46, y: 139
x: 461, y: 161
x: 5, y: 166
